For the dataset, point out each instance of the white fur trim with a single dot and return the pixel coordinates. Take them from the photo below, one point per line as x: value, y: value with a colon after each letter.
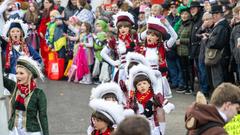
x: 33, y: 64
x: 8, y: 24
x: 111, y: 110
x: 129, y: 3
x: 135, y: 57
x: 122, y: 13
x: 154, y: 20
x: 105, y: 88
x: 141, y: 69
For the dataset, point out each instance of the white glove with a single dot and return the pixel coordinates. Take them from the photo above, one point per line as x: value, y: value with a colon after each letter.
x: 116, y: 63
x: 168, y: 107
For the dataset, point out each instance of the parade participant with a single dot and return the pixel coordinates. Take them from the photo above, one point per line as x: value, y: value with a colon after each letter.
x: 209, y: 119
x: 28, y: 102
x: 101, y: 68
x: 106, y: 116
x: 126, y: 42
x: 147, y: 98
x: 110, y: 92
x: 15, y: 32
x: 157, y: 44
x: 31, y: 18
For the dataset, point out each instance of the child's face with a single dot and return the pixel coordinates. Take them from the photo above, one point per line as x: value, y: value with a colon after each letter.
x: 143, y: 86
x: 141, y: 16
x: 152, y: 38
x: 155, y: 12
x: 124, y: 30
x: 15, y: 34
x: 31, y: 7
x: 99, y: 124
x: 83, y: 28
x: 185, y: 15
x: 59, y: 22
x: 111, y: 99
x: 52, y: 18
x: 98, y: 28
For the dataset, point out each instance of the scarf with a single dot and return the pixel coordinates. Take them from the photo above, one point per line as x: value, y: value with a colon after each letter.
x: 10, y: 44
x: 152, y: 45
x: 143, y: 98
x: 126, y: 39
x: 24, y: 92
x: 107, y: 132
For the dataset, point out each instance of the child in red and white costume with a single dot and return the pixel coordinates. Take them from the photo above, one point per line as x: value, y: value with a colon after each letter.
x: 126, y: 42
x: 157, y: 44
x: 146, y: 97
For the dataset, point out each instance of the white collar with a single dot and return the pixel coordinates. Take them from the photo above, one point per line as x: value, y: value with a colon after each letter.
x: 223, y: 115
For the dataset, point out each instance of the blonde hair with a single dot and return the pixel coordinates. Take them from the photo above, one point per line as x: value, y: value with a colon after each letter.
x: 157, y: 6
x: 206, y: 15
x: 54, y: 13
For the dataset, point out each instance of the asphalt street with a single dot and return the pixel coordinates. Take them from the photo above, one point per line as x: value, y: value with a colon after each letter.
x: 69, y: 113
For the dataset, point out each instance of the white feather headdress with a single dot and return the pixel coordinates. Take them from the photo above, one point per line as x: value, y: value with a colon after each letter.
x: 135, y: 57
x: 157, y: 24
x: 31, y: 65
x: 111, y: 87
x: 6, y: 27
x: 122, y: 14
x: 112, y: 110
x: 143, y: 70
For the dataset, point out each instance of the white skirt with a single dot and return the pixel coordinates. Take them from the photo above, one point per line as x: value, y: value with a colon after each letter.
x: 18, y: 131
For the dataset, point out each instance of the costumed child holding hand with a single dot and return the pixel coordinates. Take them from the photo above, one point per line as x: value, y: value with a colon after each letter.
x: 147, y: 99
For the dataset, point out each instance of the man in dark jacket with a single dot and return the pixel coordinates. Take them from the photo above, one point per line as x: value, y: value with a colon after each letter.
x: 219, y: 39
x: 202, y: 119
x: 196, y: 11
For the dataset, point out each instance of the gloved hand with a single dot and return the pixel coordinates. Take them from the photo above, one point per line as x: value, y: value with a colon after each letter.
x: 168, y: 107
x: 148, y: 110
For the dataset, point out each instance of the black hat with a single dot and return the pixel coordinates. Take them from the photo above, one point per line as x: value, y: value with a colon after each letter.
x: 195, y: 4
x: 216, y: 9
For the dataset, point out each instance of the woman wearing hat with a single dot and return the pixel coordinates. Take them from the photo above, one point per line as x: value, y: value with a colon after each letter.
x: 28, y: 102
x: 15, y: 32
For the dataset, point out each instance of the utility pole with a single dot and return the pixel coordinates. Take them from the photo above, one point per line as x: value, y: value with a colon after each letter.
x: 3, y: 108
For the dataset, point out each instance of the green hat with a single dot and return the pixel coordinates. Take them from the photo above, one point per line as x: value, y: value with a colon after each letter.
x: 103, y: 24
x: 182, y: 8
x: 32, y: 65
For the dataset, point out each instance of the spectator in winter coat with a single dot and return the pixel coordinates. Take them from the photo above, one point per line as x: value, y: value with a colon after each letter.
x: 219, y: 39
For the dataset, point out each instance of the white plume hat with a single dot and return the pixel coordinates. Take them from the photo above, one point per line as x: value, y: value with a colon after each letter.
x: 112, y: 110
x: 135, y: 57
x: 123, y: 16
x: 146, y: 71
x: 111, y: 87
x: 32, y: 65
x: 14, y: 22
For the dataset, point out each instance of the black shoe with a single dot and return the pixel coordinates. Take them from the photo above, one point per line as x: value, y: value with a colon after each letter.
x: 173, y: 86
x: 188, y: 92
x: 181, y: 89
